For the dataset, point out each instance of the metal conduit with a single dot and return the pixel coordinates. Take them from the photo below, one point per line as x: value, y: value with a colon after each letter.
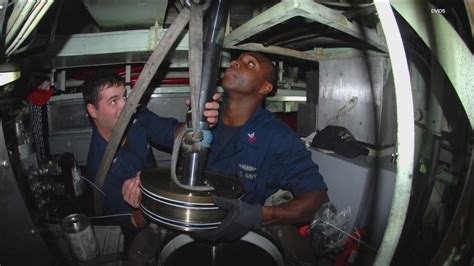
x: 33, y: 19
x: 19, y: 14
x: 24, y: 22
x: 405, y: 134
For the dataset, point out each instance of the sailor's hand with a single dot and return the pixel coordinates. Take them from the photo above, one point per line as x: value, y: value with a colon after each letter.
x: 212, y: 110
x: 138, y: 220
x: 241, y: 218
x: 131, y: 192
x: 211, y: 113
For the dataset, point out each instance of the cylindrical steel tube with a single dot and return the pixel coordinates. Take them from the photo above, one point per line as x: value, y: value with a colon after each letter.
x: 212, y: 54
x: 195, y: 159
x: 194, y: 165
x: 81, y: 236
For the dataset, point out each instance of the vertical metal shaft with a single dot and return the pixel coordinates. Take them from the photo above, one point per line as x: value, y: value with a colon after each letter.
x: 212, y: 54
x: 195, y: 159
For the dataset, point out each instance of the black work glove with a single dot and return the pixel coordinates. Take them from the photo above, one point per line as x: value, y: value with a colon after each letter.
x: 241, y: 218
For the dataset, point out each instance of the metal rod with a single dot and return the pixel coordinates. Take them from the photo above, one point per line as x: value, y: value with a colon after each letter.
x: 212, y: 55
x: 195, y: 158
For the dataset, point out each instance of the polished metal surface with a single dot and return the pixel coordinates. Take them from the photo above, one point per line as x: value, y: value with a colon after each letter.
x: 271, y: 245
x: 167, y: 204
x: 194, y: 163
x: 80, y: 236
x: 253, y: 249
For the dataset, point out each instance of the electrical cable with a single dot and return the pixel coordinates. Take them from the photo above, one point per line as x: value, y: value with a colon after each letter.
x: 93, y: 185
x: 352, y: 237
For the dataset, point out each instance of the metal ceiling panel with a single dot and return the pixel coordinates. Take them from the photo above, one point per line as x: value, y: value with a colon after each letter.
x: 310, y: 10
x: 127, y: 14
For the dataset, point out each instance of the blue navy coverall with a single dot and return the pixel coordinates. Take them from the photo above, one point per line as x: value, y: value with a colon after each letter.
x: 135, y: 155
x: 265, y: 155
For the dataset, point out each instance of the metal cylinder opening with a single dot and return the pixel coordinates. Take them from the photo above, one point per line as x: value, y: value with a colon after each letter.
x: 80, y: 236
x: 252, y: 249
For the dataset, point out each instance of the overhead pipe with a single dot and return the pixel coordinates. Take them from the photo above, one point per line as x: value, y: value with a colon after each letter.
x: 25, y: 18
x: 52, y: 34
x: 19, y: 14
x: 33, y: 20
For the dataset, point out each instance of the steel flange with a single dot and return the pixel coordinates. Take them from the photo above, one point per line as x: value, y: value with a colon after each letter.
x: 164, y: 203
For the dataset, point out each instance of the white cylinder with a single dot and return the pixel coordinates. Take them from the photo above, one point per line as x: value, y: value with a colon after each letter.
x: 80, y: 236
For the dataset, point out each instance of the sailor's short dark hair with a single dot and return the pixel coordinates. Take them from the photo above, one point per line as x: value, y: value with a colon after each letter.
x: 102, y: 79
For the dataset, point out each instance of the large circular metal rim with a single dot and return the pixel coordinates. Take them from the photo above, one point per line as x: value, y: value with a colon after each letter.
x: 177, y: 203
x: 176, y: 224
x: 251, y: 237
x: 181, y: 218
x: 171, y: 206
x: 162, y: 188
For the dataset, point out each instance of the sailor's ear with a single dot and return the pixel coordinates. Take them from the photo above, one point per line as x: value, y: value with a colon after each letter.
x: 91, y: 110
x: 267, y: 87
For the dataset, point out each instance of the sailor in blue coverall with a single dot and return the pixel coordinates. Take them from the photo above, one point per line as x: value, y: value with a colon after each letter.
x: 250, y: 144
x: 262, y: 152
x: 134, y: 155
x: 265, y: 155
x: 105, y: 96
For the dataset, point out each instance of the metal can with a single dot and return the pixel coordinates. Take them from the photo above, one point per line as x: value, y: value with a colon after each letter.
x: 80, y: 236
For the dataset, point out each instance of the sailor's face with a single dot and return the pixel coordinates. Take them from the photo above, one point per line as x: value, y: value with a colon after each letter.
x: 110, y: 105
x: 246, y: 74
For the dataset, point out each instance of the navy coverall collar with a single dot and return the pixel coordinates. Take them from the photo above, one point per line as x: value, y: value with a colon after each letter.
x: 247, y: 135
